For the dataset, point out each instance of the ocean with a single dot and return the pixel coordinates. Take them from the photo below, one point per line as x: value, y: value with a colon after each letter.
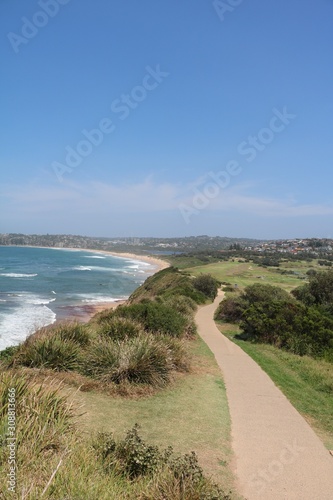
x: 41, y: 285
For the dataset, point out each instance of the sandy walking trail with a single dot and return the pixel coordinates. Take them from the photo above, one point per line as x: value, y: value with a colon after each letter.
x: 277, y: 454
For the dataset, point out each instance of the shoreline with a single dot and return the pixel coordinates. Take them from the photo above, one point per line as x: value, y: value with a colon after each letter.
x: 156, y: 261
x: 84, y: 313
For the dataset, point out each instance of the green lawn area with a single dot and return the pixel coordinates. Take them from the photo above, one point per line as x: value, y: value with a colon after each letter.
x: 191, y: 414
x: 247, y: 273
x: 306, y: 382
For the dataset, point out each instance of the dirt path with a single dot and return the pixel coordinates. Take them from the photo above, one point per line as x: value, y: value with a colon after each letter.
x: 277, y: 455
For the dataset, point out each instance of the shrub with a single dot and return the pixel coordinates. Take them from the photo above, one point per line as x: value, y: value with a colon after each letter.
x: 231, y: 309
x: 299, y: 329
x: 8, y: 353
x: 262, y: 293
x: 141, y: 360
x: 49, y: 352
x: 184, y: 305
x: 74, y: 332
x: 119, y: 328
x: 130, y: 457
x: 319, y: 291
x: 155, y: 317
x: 207, y: 285
x: 187, y: 291
x: 170, y: 476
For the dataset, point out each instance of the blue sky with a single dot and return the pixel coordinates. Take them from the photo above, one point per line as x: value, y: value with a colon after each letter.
x: 167, y: 118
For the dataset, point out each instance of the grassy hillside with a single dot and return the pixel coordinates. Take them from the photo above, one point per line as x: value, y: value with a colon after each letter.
x: 139, y: 364
x: 167, y: 283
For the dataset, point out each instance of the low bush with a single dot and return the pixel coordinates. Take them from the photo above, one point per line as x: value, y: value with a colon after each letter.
x: 48, y: 352
x: 171, y: 476
x: 270, y: 315
x: 318, y: 292
x: 231, y: 309
x: 117, y: 328
x: 141, y: 360
x: 184, y: 305
x: 130, y: 457
x: 155, y: 317
x: 187, y: 290
x: 207, y: 285
x: 75, y: 332
x: 8, y: 353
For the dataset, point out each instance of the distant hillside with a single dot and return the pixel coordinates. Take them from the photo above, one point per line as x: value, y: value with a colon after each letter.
x: 135, y: 245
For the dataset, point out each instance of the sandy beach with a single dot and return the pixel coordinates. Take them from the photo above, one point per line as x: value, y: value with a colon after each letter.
x: 85, y: 312
x: 155, y: 261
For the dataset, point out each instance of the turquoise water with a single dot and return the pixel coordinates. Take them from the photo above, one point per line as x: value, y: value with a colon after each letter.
x: 39, y: 285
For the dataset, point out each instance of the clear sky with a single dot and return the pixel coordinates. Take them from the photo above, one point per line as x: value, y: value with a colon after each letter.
x: 167, y: 117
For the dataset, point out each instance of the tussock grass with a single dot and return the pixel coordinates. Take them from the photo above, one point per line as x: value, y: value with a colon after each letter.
x: 57, y: 347
x: 44, y: 415
x: 49, y: 352
x: 118, y: 328
x: 137, y: 344
x: 143, y: 359
x: 75, y: 332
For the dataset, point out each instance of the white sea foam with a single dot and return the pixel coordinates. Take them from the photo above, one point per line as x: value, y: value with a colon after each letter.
x: 82, y: 268
x: 17, y: 326
x: 18, y: 275
x: 96, y: 298
x: 36, y: 301
x: 141, y: 263
x: 94, y: 257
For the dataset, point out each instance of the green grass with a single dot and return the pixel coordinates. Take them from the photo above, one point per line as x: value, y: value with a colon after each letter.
x: 192, y: 414
x: 247, y: 273
x: 57, y: 461
x: 306, y: 382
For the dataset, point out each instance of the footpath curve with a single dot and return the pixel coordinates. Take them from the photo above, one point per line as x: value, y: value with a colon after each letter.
x: 277, y: 454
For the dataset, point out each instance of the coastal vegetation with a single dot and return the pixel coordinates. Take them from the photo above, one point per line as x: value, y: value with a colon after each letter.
x: 123, y: 356
x: 142, y: 342
x: 286, y: 327
x: 144, y: 363
x: 54, y: 462
x: 270, y: 315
